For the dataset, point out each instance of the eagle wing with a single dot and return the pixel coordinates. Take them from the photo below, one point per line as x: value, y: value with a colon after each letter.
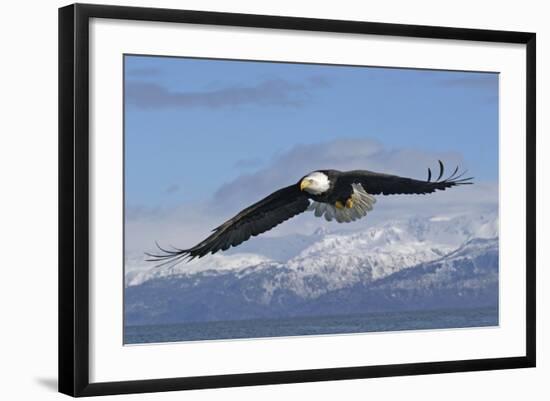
x: 260, y: 217
x: 387, y: 184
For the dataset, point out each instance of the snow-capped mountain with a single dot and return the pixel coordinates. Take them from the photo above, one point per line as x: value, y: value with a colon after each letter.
x: 378, y: 268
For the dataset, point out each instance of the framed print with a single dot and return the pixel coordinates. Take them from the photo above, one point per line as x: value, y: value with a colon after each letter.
x: 250, y: 199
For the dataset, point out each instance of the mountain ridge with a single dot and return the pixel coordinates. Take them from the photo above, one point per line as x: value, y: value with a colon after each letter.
x: 445, y: 261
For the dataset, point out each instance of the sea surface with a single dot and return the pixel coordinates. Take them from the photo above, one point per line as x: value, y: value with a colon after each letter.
x: 300, y: 326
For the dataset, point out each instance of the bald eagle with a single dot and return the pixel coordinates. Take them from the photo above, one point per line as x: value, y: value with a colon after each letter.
x: 343, y: 196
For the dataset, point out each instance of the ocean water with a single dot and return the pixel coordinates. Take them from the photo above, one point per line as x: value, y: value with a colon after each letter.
x: 300, y: 326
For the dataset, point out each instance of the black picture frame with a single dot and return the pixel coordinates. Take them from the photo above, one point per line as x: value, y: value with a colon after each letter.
x: 74, y: 198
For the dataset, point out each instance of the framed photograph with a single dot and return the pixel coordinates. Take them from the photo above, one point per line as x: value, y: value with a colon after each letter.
x: 251, y: 199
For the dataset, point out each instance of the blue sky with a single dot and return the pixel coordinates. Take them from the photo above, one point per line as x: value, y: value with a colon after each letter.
x: 195, y: 126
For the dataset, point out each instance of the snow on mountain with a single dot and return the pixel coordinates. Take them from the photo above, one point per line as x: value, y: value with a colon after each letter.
x: 214, y: 263
x: 332, y: 260
x: 476, y: 258
x: 446, y: 261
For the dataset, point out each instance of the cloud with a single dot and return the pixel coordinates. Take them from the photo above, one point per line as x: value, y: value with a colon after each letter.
x: 189, y: 223
x: 278, y: 92
x: 172, y: 189
x: 342, y: 154
x: 248, y: 163
x: 143, y: 72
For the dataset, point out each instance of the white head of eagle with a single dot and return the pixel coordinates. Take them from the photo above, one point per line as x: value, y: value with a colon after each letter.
x: 343, y: 196
x: 315, y: 183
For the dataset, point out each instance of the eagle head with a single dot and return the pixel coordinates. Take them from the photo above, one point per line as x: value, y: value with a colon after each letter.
x: 315, y: 183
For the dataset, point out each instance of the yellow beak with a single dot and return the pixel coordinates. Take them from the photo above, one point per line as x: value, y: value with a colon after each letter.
x: 304, y: 184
